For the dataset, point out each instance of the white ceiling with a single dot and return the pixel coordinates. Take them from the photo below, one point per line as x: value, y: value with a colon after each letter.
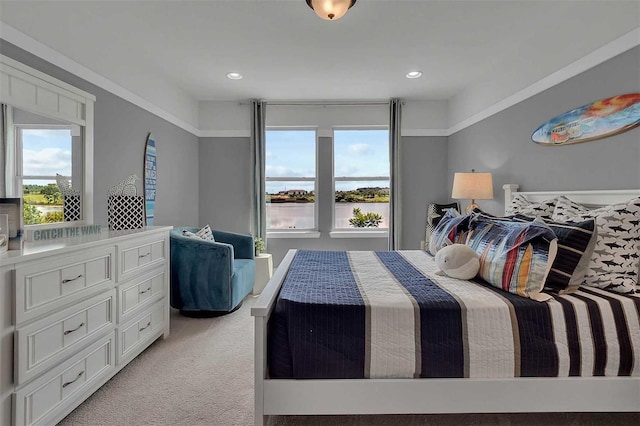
x: 284, y: 51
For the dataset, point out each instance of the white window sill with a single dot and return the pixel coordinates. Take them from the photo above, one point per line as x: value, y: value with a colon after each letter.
x: 359, y: 234
x: 293, y: 234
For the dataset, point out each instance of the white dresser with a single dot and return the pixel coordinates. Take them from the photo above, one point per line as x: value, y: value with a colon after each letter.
x: 74, y: 312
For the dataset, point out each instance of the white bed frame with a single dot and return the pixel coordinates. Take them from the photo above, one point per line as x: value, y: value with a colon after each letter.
x: 436, y: 396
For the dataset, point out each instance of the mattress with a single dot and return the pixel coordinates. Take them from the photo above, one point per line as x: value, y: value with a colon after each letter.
x: 389, y: 314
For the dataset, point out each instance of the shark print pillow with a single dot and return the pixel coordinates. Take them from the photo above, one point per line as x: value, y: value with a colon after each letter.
x: 521, y: 205
x: 614, y: 262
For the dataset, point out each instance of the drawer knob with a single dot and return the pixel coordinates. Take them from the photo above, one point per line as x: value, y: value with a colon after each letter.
x: 68, y: 280
x: 146, y: 326
x: 65, y: 384
x: 143, y: 255
x: 71, y: 331
x: 145, y: 291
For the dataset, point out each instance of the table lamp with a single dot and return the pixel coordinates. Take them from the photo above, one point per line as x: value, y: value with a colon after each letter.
x: 472, y: 186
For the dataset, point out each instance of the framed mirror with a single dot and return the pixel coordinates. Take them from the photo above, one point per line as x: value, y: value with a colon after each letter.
x: 46, y: 146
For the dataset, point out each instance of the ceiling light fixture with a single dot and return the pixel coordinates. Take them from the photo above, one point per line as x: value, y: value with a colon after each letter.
x: 414, y: 74
x: 234, y: 75
x: 331, y: 10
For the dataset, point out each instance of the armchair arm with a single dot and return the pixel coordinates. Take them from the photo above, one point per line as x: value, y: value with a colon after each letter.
x: 242, y: 244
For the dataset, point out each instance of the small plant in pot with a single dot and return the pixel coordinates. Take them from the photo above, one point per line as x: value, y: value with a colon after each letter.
x: 259, y: 245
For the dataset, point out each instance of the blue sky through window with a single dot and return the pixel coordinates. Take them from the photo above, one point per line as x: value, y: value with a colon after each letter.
x: 46, y: 152
x: 291, y: 153
x: 361, y: 153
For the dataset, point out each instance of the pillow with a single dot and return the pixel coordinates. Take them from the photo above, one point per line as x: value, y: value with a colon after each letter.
x: 520, y: 205
x: 451, y: 229
x: 514, y: 256
x: 458, y: 261
x: 576, y: 241
x: 205, y: 233
x: 614, y: 263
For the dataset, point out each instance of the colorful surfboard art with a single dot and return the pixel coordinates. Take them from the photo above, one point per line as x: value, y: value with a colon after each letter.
x: 597, y: 120
x: 150, y: 167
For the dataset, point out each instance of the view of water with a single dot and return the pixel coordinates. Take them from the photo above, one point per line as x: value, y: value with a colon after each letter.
x: 48, y: 209
x: 300, y: 215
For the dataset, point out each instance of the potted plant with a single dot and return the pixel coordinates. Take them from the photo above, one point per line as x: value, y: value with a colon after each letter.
x: 259, y: 245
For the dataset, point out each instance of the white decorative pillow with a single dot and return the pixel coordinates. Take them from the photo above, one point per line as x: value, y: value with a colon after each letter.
x: 614, y: 262
x: 521, y: 205
x: 205, y: 233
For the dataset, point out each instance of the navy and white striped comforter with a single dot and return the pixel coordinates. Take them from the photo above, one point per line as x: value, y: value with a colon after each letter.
x: 388, y: 315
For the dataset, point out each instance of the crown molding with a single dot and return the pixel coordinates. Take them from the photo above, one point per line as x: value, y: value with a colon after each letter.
x: 598, y: 56
x: 424, y: 132
x: 224, y: 134
x: 31, y: 45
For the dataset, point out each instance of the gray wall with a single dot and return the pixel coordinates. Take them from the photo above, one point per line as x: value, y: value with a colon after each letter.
x: 120, y: 133
x: 502, y: 143
x: 423, y: 180
x: 225, y: 184
x: 225, y: 188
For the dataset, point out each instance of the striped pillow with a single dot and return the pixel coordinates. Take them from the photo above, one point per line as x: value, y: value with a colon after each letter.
x: 451, y: 229
x: 614, y: 263
x: 514, y: 256
x: 576, y: 241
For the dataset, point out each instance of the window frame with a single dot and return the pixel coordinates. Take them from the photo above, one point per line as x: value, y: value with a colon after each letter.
x: 18, y: 172
x: 354, y: 232
x: 296, y: 232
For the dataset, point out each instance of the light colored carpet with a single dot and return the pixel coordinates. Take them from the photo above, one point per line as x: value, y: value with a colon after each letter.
x: 203, y: 375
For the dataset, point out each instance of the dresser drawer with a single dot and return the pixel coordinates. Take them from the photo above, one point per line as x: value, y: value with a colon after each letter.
x: 135, y: 335
x: 44, y: 343
x: 48, y: 398
x: 47, y: 286
x: 139, y: 292
x: 139, y: 256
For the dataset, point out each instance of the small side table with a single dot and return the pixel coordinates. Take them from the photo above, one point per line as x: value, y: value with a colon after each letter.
x: 264, y: 270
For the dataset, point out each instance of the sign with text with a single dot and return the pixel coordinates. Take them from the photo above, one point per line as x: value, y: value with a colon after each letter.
x: 63, y: 232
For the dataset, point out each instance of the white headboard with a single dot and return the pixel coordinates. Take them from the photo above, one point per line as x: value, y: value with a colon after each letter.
x: 599, y: 197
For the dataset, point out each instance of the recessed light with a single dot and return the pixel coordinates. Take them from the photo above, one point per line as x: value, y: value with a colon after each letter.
x: 414, y: 74
x: 234, y: 75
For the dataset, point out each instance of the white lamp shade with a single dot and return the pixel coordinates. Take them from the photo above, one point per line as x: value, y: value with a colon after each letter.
x: 472, y: 186
x: 330, y: 9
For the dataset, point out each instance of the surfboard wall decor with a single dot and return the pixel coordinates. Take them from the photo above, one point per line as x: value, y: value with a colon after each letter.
x: 150, y: 167
x: 597, y: 120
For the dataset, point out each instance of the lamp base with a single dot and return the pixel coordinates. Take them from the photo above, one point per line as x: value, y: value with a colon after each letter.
x: 472, y: 205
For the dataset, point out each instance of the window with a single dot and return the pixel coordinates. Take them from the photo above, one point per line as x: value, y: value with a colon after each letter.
x: 361, y: 178
x: 42, y: 151
x: 290, y: 174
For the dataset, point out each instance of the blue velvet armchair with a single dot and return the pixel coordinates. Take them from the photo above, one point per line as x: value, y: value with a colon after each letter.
x: 210, y: 278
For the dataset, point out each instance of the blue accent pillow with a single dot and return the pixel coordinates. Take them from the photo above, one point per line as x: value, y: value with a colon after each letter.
x: 514, y: 256
x: 452, y: 229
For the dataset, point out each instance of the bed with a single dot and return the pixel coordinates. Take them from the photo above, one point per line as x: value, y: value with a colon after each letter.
x: 450, y: 380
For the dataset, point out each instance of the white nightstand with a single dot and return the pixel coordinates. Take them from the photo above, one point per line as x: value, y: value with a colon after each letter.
x: 264, y: 270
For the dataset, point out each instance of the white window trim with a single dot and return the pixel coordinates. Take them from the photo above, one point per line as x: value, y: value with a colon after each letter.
x: 64, y: 102
x: 354, y: 232
x: 293, y: 234
x: 360, y: 233
x: 297, y: 232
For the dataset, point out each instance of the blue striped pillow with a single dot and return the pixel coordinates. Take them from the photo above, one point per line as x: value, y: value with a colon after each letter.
x: 514, y: 256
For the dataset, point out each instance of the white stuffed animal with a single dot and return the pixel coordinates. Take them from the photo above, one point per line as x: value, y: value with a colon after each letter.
x: 458, y: 261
